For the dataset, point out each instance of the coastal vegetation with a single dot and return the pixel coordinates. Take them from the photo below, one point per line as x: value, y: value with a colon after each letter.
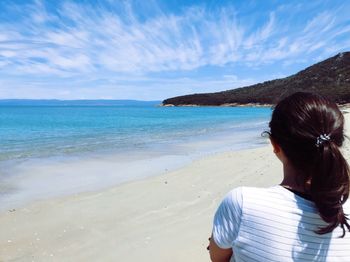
x: 330, y: 78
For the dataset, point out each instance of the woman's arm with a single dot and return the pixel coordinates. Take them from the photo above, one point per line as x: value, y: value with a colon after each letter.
x: 218, y: 254
x: 226, y: 225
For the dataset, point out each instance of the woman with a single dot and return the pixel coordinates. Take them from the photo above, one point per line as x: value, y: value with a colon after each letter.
x: 303, y: 218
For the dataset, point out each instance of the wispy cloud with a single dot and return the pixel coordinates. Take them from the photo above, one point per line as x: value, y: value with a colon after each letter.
x: 70, y: 40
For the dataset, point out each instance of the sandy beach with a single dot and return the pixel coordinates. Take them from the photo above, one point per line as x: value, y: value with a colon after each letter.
x: 163, y: 218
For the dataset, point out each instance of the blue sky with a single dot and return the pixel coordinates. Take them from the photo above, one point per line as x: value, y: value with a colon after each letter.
x: 152, y: 50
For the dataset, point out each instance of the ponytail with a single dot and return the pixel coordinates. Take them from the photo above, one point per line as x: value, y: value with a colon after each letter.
x: 329, y: 187
x: 310, y: 130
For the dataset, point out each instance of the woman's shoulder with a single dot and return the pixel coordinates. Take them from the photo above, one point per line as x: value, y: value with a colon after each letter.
x: 245, y: 194
x: 276, y: 196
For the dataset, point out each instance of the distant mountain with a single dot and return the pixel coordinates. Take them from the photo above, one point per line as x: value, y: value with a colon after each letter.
x: 330, y: 78
x: 54, y: 102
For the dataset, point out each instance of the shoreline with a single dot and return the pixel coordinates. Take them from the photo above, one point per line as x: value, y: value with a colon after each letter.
x: 344, y: 106
x: 221, y: 105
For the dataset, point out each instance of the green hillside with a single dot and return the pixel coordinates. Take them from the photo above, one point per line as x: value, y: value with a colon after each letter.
x: 330, y: 78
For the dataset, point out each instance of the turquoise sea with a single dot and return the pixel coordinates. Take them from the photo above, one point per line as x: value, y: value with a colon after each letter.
x: 171, y: 136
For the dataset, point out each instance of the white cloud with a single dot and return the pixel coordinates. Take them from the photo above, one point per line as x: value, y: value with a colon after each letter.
x: 91, y: 39
x: 166, y: 42
x: 85, y: 41
x: 259, y: 36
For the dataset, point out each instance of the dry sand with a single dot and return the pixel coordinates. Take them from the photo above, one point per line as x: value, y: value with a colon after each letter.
x: 163, y: 218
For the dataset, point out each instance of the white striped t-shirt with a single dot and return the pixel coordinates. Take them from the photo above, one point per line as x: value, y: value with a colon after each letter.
x: 274, y: 224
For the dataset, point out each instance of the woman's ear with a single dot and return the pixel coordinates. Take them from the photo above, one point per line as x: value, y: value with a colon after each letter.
x: 275, y: 146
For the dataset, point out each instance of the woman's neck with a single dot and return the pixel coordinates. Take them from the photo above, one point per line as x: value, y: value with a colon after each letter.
x: 290, y: 176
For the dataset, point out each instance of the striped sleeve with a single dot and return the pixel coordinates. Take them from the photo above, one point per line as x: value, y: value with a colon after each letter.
x: 227, y: 219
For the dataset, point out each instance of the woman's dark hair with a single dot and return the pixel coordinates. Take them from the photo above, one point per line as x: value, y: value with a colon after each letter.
x: 310, y: 129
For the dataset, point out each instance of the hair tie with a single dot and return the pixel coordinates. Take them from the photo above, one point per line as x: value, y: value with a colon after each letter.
x: 321, y: 139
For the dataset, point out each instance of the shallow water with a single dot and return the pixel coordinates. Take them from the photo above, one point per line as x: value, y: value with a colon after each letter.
x: 43, y: 149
